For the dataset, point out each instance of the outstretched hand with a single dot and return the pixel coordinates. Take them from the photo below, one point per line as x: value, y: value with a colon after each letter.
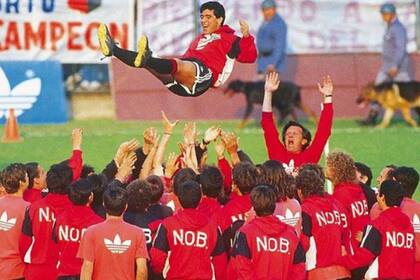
x: 244, y: 28
x: 326, y: 88
x: 190, y: 133
x: 272, y: 82
x: 167, y: 125
x: 211, y: 134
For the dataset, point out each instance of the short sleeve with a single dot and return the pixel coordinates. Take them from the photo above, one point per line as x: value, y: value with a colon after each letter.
x: 87, y: 247
x: 141, y: 246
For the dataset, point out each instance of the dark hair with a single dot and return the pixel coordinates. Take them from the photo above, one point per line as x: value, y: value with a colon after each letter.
x: 183, y: 175
x: 33, y: 172
x: 211, y: 180
x: 189, y: 194
x: 80, y: 191
x: 408, y: 177
x: 98, y: 185
x: 392, y: 191
x: 216, y: 7
x: 306, y: 134
x: 11, y: 177
x: 309, y: 183
x: 86, y: 170
x: 263, y: 199
x: 390, y: 173
x: 315, y: 167
x: 156, y: 188
x: 244, y: 176
x: 59, y: 178
x: 139, y: 193
x: 365, y: 171
x: 115, y: 201
x: 272, y: 173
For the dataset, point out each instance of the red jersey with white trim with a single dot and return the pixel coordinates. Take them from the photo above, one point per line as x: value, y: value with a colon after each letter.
x: 322, y: 232
x: 388, y: 246
x: 266, y: 248
x: 291, y: 161
x: 38, y: 227
x: 12, y: 212
x: 113, y: 246
x: 212, y: 50
x: 236, y: 210
x: 69, y: 230
x: 353, y: 199
x: 193, y: 245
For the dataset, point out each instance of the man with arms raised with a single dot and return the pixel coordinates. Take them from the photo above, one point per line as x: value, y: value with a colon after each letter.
x: 207, y: 63
x: 296, y: 148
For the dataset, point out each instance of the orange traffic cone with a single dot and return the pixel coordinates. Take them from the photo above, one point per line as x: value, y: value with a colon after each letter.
x: 11, y: 129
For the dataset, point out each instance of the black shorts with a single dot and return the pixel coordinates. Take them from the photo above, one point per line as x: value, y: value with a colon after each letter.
x: 203, y: 81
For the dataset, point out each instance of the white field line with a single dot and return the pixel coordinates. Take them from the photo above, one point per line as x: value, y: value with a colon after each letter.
x: 247, y: 131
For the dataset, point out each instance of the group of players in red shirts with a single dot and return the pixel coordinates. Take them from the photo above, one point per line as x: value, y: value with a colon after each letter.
x: 193, y: 221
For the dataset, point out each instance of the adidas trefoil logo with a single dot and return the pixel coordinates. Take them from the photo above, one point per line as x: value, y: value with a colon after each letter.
x: 289, y: 168
x: 21, y: 97
x: 289, y: 218
x: 116, y: 246
x: 5, y: 223
x: 416, y: 223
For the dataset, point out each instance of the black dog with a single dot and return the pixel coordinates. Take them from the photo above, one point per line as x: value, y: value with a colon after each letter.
x: 285, y: 99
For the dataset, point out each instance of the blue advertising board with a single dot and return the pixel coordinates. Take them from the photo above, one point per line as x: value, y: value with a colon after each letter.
x: 34, y: 89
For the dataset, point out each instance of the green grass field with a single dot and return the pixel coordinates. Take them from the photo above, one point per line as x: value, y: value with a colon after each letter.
x: 398, y: 144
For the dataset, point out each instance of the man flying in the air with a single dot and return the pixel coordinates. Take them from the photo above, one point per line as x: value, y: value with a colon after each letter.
x: 208, y: 62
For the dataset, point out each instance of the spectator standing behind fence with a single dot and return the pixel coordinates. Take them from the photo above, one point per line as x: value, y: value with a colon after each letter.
x: 395, y: 66
x: 271, y: 41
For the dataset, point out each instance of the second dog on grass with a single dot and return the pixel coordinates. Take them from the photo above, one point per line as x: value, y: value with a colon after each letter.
x: 285, y: 99
x: 392, y: 97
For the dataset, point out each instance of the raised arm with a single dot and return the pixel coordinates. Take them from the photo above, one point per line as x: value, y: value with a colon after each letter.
x: 323, y: 131
x: 148, y: 163
x: 76, y: 160
x: 247, y: 48
x: 231, y: 143
x: 275, y: 149
x: 167, y: 132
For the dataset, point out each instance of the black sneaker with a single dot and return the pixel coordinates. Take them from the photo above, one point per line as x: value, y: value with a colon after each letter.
x: 143, y: 52
x: 106, y: 42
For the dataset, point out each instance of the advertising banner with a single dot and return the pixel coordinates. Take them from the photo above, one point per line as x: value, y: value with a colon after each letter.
x: 314, y: 26
x: 63, y: 30
x: 34, y: 90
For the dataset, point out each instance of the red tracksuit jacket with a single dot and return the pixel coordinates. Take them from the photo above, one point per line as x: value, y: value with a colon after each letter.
x: 322, y: 232
x: 69, y: 229
x: 210, y: 207
x: 411, y: 208
x: 76, y: 164
x: 38, y: 224
x: 226, y: 170
x: 147, y: 222
x: 388, y: 246
x: 32, y: 195
x: 212, y: 49
x: 192, y: 243
x: 353, y: 199
x: 266, y: 248
x: 235, y: 210
x: 311, y: 154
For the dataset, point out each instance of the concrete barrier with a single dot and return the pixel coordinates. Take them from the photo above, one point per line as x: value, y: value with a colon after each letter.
x: 140, y: 96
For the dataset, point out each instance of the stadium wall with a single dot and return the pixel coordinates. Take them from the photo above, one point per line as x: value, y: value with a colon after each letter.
x: 140, y: 96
